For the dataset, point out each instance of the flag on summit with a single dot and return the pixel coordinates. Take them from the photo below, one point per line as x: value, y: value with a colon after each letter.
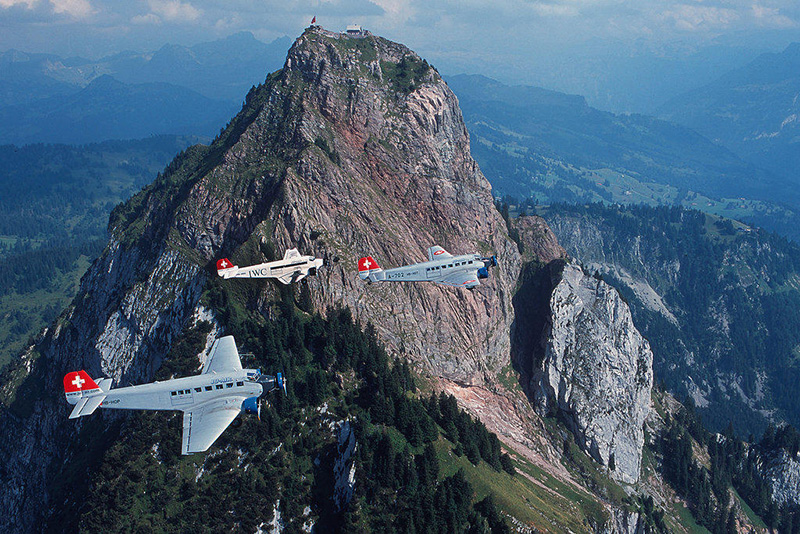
x: 314, y: 19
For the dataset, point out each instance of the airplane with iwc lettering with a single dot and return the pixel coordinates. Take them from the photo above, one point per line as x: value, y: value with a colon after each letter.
x: 292, y: 268
x: 209, y: 401
x: 442, y: 268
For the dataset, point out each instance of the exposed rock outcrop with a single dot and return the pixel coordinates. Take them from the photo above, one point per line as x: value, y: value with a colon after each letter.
x: 783, y: 475
x: 596, y: 372
x: 344, y: 466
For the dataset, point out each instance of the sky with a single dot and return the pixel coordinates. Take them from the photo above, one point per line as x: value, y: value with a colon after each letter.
x: 514, y: 40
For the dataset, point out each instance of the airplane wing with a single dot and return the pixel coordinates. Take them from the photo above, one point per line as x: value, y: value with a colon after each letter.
x: 468, y: 279
x: 291, y: 253
x: 204, y: 424
x: 436, y: 252
x: 224, y: 357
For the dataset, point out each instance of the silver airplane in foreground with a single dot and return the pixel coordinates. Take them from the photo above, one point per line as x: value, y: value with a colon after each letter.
x: 291, y: 268
x: 441, y: 267
x: 209, y: 401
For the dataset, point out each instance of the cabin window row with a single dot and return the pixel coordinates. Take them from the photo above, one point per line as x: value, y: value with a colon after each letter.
x: 457, y: 264
x: 207, y: 388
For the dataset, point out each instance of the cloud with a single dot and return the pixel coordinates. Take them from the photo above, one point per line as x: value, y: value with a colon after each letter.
x: 771, y: 17
x: 75, y: 8
x: 12, y: 3
x: 696, y: 17
x: 78, y: 9
x: 555, y: 9
x: 175, y: 10
x: 149, y: 18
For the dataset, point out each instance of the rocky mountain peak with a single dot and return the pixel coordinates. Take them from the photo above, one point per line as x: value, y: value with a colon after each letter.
x: 356, y: 147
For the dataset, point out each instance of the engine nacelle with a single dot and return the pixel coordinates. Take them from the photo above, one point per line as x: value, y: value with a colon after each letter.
x: 483, y: 272
x: 280, y: 382
x: 252, y: 406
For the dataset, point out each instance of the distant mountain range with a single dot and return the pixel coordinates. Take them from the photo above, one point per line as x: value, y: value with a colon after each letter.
x: 174, y: 90
x: 109, y: 109
x: 221, y: 70
x: 531, y: 142
x: 753, y: 110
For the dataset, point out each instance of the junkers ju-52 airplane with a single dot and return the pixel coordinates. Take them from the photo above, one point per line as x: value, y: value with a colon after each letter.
x: 441, y: 267
x: 291, y: 268
x: 209, y: 401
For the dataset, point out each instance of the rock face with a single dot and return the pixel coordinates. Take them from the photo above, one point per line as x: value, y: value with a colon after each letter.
x: 596, y: 372
x: 783, y: 475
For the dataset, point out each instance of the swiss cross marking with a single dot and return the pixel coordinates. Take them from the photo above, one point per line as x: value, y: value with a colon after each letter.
x: 78, y: 382
x: 367, y: 263
x: 224, y: 264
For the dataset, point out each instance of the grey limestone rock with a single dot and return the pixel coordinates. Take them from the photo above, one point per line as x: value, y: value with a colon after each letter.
x: 596, y: 371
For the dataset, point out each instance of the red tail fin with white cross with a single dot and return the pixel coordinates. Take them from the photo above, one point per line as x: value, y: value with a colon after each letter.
x: 224, y: 265
x: 79, y: 384
x: 366, y: 267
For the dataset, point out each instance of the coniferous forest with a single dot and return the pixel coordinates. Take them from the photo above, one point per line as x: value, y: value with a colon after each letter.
x: 336, y: 372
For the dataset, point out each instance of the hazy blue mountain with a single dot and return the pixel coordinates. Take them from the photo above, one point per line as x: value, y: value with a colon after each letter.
x: 110, y: 109
x: 531, y: 142
x: 753, y: 110
x: 28, y: 77
x: 222, y: 70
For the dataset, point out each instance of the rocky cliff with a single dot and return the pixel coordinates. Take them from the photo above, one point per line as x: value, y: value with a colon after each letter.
x: 594, y: 372
x: 716, y: 300
x: 782, y: 472
x: 355, y: 147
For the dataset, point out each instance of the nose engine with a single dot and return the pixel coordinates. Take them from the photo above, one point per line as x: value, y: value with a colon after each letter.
x: 252, y: 406
x: 491, y: 261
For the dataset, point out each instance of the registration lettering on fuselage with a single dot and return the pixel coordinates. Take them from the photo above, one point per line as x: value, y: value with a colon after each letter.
x: 222, y: 380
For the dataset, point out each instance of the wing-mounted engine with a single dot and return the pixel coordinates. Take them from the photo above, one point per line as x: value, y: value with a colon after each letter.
x: 252, y: 406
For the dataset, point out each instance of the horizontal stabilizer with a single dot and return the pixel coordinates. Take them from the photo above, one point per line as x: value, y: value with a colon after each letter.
x: 86, y: 406
x: 291, y: 253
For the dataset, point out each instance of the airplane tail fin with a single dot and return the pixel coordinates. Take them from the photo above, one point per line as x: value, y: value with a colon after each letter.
x: 368, y: 269
x: 224, y: 265
x: 84, y: 393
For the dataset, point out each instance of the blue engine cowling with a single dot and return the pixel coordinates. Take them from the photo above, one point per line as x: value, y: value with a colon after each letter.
x: 252, y: 406
x: 280, y: 382
x: 483, y: 272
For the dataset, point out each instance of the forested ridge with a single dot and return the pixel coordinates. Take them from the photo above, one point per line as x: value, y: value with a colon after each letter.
x: 55, y: 201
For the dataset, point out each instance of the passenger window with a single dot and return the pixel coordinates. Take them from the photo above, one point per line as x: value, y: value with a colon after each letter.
x: 209, y: 388
x: 174, y: 393
x: 198, y: 390
x: 240, y: 384
x: 219, y: 386
x: 229, y: 385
